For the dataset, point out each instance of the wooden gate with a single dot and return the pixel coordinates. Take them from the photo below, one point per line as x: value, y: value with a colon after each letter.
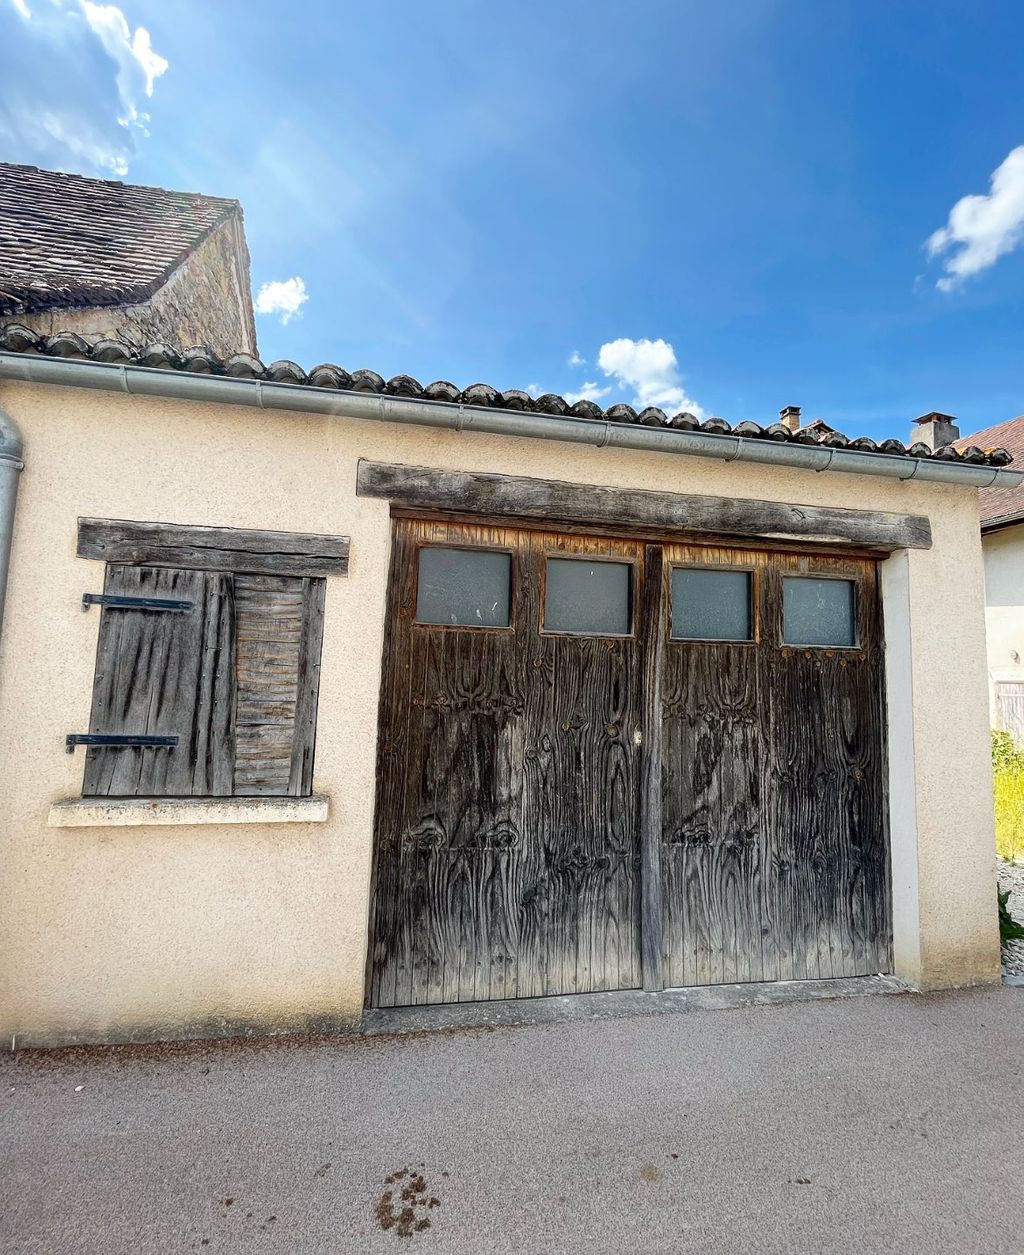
x: 1010, y: 708
x: 573, y: 726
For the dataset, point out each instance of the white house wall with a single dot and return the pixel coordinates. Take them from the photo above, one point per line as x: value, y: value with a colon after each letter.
x: 1004, y: 608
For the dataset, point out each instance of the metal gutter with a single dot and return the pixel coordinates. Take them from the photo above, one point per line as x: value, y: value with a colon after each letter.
x: 308, y: 399
x: 11, y: 466
x: 1003, y: 521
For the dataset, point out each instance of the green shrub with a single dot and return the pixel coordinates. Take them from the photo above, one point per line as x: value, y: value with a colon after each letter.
x: 1007, y: 755
x: 1008, y: 772
x: 1009, y: 929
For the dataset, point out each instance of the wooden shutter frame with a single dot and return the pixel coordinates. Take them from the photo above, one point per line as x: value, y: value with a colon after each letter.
x: 235, y: 550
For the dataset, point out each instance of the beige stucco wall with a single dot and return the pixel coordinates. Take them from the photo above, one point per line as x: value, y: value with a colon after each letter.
x: 205, y: 301
x: 106, y: 932
x: 1004, y: 607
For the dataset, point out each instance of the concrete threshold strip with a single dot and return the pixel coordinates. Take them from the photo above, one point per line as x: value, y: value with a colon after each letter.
x: 221, y: 1032
x: 619, y: 1004
x: 468, y: 1016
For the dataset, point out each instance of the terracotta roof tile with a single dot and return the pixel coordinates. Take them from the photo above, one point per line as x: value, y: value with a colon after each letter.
x: 16, y: 338
x: 70, y: 242
x: 998, y: 503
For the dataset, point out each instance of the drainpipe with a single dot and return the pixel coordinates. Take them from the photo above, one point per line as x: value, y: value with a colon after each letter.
x: 11, y: 466
x: 307, y: 399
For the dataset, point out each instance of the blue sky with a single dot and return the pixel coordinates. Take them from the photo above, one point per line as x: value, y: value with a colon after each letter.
x: 721, y: 207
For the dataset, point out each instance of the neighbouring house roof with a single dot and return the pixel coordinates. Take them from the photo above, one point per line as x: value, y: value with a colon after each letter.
x: 1000, y: 506
x: 199, y: 360
x: 69, y: 242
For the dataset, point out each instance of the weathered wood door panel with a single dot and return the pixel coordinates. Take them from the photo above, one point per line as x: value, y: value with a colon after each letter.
x: 581, y: 786
x: 714, y: 850
x: 448, y: 804
x: 775, y: 857
x: 507, y: 851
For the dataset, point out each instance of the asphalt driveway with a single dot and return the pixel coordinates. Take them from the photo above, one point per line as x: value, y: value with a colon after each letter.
x: 889, y: 1123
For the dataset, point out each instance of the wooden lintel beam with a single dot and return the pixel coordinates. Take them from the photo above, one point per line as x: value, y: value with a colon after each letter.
x: 234, y: 549
x: 638, y: 511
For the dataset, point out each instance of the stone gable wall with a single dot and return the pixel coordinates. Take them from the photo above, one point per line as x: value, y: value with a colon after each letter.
x: 206, y: 301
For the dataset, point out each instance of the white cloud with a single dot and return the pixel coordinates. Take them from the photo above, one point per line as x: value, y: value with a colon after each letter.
x: 576, y: 359
x: 649, y: 370
x: 984, y: 227
x: 74, y: 76
x: 591, y: 391
x: 132, y: 52
x: 284, y: 296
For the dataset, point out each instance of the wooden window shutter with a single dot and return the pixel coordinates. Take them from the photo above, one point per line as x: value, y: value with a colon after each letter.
x: 165, y: 673
x: 235, y: 678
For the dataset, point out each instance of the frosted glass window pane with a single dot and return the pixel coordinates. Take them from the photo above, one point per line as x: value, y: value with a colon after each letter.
x: 818, y: 612
x: 711, y: 605
x: 588, y: 597
x: 463, y: 587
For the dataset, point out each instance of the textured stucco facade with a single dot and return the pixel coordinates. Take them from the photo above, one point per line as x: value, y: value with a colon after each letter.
x: 1004, y: 608
x: 205, y: 301
x: 110, y: 932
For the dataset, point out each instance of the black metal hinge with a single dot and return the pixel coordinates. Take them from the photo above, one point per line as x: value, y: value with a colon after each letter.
x: 92, y: 738
x: 114, y: 602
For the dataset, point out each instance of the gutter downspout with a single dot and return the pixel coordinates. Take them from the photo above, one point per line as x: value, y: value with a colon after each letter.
x: 309, y: 399
x: 11, y: 466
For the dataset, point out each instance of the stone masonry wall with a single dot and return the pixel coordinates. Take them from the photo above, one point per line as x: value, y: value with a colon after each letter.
x: 205, y: 301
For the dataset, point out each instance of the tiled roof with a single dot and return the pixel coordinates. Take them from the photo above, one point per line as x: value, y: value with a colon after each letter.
x: 997, y: 504
x: 199, y: 360
x: 69, y: 242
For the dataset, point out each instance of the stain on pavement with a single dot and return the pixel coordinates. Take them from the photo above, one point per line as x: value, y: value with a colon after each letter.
x: 405, y: 1205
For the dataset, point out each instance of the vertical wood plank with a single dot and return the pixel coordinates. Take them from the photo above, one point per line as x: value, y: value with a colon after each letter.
x: 539, y: 793
x: 651, y: 820
x: 271, y: 672
x: 394, y: 735
x: 300, y: 782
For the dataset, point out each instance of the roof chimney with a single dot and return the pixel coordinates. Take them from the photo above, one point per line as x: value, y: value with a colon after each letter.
x: 935, y: 430
x: 790, y: 417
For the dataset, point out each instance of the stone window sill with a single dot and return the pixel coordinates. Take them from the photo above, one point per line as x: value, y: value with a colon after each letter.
x: 114, y: 812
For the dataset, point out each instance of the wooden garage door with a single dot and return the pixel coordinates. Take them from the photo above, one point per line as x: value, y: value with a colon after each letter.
x: 572, y: 726
x: 507, y: 854
x: 774, y: 839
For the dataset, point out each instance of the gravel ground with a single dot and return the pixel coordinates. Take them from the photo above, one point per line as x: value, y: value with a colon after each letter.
x: 1011, y: 876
